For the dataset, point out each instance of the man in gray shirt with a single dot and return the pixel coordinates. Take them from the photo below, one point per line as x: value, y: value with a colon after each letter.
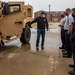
x: 68, y: 28
x: 62, y: 22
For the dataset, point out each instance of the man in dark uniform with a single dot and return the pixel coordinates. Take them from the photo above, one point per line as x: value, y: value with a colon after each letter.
x: 42, y: 23
x: 68, y: 28
x: 73, y: 43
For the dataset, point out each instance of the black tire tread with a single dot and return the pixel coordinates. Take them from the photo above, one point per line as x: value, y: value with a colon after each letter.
x: 23, y: 38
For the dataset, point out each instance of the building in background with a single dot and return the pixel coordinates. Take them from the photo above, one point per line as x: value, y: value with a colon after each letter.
x: 53, y: 16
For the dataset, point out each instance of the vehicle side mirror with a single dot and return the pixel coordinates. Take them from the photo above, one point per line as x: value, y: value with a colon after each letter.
x: 6, y: 9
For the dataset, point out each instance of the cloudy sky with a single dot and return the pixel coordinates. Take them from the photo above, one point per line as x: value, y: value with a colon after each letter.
x: 56, y: 5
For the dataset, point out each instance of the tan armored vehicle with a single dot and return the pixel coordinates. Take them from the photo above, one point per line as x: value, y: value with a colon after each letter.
x: 13, y: 19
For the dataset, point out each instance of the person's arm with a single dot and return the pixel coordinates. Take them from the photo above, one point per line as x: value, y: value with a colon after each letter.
x: 34, y: 21
x: 61, y: 25
x: 70, y: 25
x: 47, y: 25
x: 29, y: 23
x: 62, y: 22
x: 69, y: 29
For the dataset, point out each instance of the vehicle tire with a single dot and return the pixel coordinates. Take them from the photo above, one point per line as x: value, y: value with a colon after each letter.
x: 26, y: 35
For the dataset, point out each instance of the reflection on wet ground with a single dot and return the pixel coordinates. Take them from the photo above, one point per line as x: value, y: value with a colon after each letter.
x: 23, y: 59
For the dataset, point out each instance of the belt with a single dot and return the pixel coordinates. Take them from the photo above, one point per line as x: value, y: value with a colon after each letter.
x: 66, y: 30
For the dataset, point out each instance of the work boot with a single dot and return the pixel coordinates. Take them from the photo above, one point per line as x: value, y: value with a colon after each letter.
x: 67, y: 56
x: 71, y: 65
x: 61, y: 48
x: 72, y: 72
x: 37, y: 48
x: 42, y: 47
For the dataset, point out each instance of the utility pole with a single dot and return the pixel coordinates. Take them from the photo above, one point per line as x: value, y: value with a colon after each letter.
x: 49, y: 12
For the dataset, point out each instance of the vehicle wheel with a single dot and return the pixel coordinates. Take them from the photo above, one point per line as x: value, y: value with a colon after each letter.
x: 26, y: 35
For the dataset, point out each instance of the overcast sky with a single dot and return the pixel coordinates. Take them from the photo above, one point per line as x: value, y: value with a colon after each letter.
x: 56, y: 5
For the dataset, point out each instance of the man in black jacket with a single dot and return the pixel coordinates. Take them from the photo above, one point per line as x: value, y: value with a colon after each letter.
x: 73, y: 43
x: 42, y: 23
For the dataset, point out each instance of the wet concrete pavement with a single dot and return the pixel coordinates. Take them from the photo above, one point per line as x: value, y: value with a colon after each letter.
x: 18, y: 59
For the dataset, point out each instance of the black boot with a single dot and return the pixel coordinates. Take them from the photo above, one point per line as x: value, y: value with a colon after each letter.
x: 67, y: 56
x: 37, y: 48
x: 72, y: 72
x: 71, y: 65
x: 61, y: 48
x: 42, y: 47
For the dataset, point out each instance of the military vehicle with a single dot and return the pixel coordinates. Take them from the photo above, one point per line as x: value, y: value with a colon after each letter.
x: 13, y: 21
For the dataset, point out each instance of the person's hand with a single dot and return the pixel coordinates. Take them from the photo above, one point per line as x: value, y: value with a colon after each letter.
x: 60, y: 25
x: 29, y: 24
x: 68, y: 32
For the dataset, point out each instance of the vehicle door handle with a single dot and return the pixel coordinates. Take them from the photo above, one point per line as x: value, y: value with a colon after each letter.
x: 19, y: 22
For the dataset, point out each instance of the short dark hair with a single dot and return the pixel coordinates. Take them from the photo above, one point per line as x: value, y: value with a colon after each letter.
x: 68, y: 9
x: 62, y: 16
x: 43, y: 12
x: 73, y: 10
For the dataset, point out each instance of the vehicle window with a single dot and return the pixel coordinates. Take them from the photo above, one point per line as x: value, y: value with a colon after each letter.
x: 14, y: 8
x: 29, y: 11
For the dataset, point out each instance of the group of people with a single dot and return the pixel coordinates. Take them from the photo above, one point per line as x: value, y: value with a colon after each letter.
x: 67, y: 25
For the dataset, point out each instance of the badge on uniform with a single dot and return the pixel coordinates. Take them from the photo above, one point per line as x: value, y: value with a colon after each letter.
x: 44, y: 19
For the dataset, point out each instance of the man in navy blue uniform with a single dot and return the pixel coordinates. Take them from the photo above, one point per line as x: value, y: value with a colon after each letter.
x: 73, y: 43
x: 68, y: 28
x: 42, y: 23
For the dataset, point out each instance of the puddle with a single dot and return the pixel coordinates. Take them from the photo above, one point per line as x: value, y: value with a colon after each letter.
x: 50, y: 30
x: 55, y: 30
x: 11, y: 55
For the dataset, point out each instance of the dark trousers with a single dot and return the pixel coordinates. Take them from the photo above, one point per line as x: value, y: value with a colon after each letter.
x: 40, y: 32
x: 63, y: 38
x: 73, y: 50
x: 68, y: 44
